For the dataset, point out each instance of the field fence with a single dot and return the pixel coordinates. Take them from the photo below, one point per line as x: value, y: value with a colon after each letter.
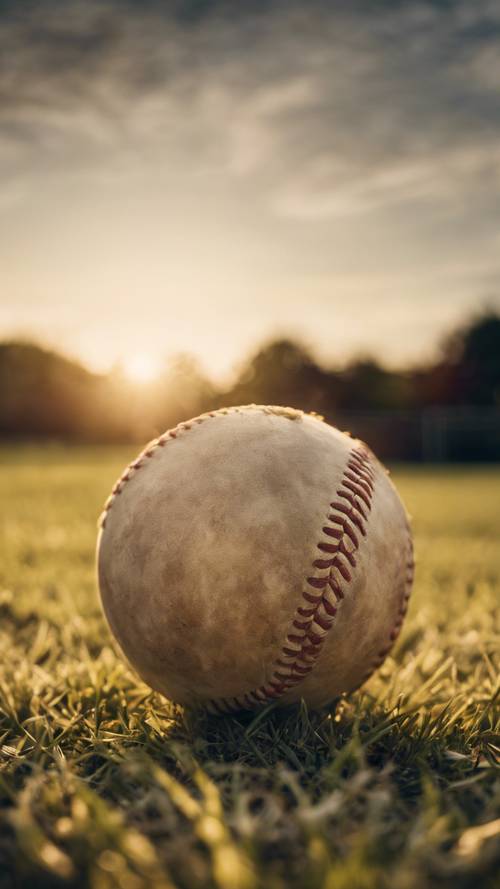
x: 433, y: 435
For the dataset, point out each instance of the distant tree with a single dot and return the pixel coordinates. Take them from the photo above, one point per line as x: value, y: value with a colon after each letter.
x: 43, y: 394
x: 368, y: 386
x: 284, y: 372
x: 468, y: 371
x: 474, y: 354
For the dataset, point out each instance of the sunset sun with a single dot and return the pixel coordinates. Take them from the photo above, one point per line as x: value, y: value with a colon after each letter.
x: 141, y: 368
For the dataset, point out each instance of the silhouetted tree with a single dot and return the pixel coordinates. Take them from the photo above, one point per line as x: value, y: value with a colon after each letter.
x: 43, y: 394
x: 284, y: 372
x: 468, y: 372
x: 474, y: 354
x: 368, y: 386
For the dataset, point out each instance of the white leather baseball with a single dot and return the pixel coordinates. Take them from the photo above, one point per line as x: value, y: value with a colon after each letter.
x: 255, y: 554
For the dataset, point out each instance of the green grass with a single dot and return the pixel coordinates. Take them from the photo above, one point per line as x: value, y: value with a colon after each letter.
x: 104, y: 784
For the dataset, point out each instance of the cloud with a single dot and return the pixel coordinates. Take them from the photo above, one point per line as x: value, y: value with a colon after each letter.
x: 323, y: 109
x: 327, y: 190
x: 363, y: 85
x: 271, y: 153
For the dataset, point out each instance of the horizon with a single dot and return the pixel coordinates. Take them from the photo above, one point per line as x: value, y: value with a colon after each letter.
x: 141, y: 369
x: 185, y: 179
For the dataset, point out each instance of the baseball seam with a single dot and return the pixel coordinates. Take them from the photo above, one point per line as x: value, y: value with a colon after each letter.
x: 149, y: 451
x: 162, y: 440
x: 315, y: 615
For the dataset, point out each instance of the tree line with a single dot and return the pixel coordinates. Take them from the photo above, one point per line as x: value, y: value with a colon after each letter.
x: 46, y: 395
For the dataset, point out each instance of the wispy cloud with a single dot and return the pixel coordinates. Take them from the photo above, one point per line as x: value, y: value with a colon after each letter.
x: 287, y: 134
x: 330, y: 93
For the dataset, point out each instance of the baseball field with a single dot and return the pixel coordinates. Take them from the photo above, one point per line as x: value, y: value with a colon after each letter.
x: 105, y: 784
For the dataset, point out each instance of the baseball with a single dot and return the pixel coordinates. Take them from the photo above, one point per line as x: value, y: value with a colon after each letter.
x: 254, y: 554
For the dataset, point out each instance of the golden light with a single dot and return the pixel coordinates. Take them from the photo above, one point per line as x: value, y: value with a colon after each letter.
x: 141, y: 368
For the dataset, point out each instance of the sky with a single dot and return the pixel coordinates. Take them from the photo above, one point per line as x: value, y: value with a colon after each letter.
x: 203, y: 176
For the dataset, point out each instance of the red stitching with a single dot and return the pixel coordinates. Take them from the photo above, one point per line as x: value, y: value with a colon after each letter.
x: 305, y: 612
x: 349, y: 516
x: 299, y: 653
x: 310, y: 598
x: 152, y: 447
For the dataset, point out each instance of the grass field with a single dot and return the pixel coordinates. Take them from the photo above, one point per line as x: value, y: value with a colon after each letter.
x: 104, y: 784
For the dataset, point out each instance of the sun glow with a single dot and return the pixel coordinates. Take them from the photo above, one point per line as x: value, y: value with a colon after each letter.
x: 141, y: 368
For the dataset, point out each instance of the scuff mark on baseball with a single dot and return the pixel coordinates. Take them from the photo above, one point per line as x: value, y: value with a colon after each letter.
x: 243, y: 558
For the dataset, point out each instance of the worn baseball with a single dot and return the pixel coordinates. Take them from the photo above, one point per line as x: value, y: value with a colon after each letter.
x: 255, y: 554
